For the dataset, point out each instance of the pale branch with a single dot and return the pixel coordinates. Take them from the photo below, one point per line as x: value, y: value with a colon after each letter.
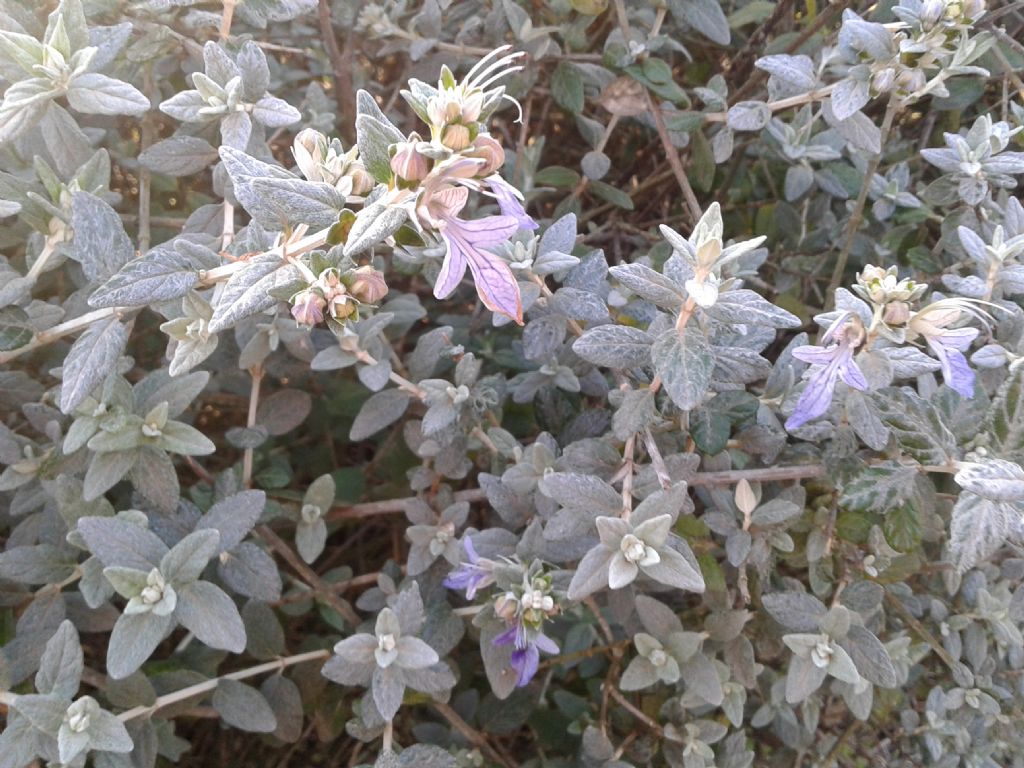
x: 207, y: 278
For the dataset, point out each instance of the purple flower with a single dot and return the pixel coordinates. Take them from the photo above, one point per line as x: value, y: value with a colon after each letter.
x: 949, y: 347
x: 949, y: 344
x: 528, y: 645
x: 509, y: 203
x: 836, y: 361
x: 467, y: 241
x: 472, y: 575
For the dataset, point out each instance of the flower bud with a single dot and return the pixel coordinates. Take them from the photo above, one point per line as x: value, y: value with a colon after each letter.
x: 506, y: 606
x: 362, y: 181
x: 456, y: 137
x: 883, y: 81
x: 407, y: 163
x: 308, y: 308
x: 309, y: 150
x: 368, y: 285
x: 490, y: 151
x: 896, y: 313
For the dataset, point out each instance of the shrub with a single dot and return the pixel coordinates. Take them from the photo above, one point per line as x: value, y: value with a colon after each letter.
x: 512, y: 384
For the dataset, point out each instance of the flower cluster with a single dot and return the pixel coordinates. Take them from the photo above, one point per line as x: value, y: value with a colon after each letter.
x: 324, y: 160
x: 337, y: 293
x: 526, y: 601
x: 886, y: 317
x: 908, y: 59
x: 432, y: 179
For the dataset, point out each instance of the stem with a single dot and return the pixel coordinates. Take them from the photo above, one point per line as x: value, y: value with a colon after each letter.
x: 226, y: 18
x: 468, y: 732
x: 209, y: 685
x: 206, y: 279
x: 857, y: 215
x: 627, y: 478
x: 775, y: 106
x: 228, y: 230
x: 49, y: 247
x: 254, y: 398
x: 389, y: 735
x: 403, y: 383
x: 692, y: 205
x: 320, y: 587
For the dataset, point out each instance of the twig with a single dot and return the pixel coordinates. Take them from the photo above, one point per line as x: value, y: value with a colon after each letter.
x: 322, y: 588
x: 469, y: 733
x: 341, y: 64
x: 673, y: 158
x: 208, y: 685
x: 226, y: 18
x: 639, y: 715
x: 207, y: 277
x: 256, y: 372
x: 857, y: 215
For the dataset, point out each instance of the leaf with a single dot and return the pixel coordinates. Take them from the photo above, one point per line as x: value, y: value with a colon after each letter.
x: 211, y: 616
x: 796, y: 611
x: 916, y: 424
x: 380, y: 410
x: 582, y: 492
x: 870, y: 656
x: 133, y: 641
x: 803, y: 678
x: 373, y: 224
x: 683, y: 360
x: 100, y: 244
x: 979, y: 527
x: 374, y: 138
x: 747, y: 307
x: 994, y: 479
x: 243, y: 707
x: 285, y: 700
x: 748, y: 116
x: 284, y: 411
x: 614, y: 346
x: 98, y: 94
x: 649, y: 285
x: 1005, y: 421
x: 234, y: 517
x: 567, y: 89
x: 60, y: 669
x: 278, y: 202
x: 15, y: 328
x: 247, y: 292
x: 705, y: 16
x: 118, y: 543
x: 797, y: 71
x: 879, y: 488
x: 187, y: 559
x: 848, y: 97
x: 37, y: 564
x: 179, y: 156
x: 250, y: 571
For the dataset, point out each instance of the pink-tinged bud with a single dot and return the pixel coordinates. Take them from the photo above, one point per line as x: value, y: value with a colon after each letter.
x: 308, y: 308
x: 408, y: 164
x: 456, y: 137
x: 506, y: 606
x: 490, y: 151
x: 362, y: 181
x: 368, y: 285
x: 896, y: 313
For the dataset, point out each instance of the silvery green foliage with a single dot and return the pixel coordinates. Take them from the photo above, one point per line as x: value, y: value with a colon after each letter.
x: 372, y: 380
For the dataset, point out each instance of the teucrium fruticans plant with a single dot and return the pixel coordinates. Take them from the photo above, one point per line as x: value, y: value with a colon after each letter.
x: 599, y: 392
